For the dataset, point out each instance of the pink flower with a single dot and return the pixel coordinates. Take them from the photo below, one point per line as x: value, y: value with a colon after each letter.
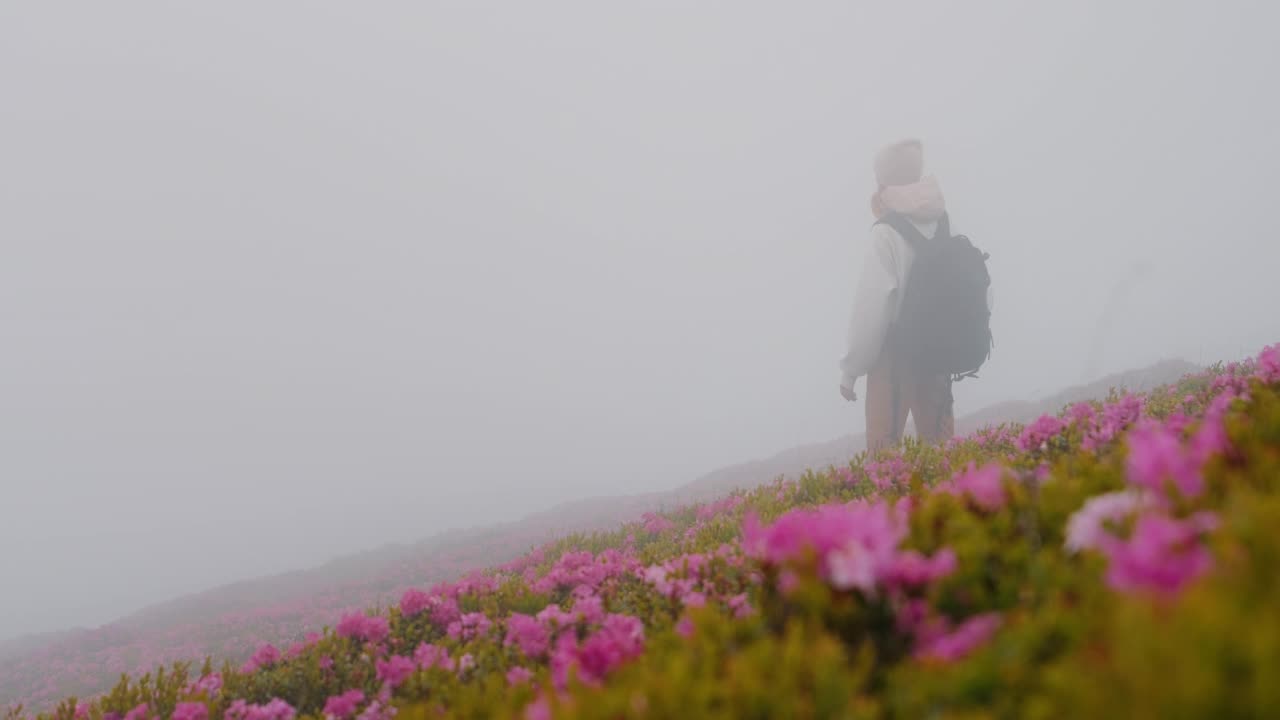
x: 655, y: 524
x: 1268, y: 365
x: 719, y: 507
x: 564, y: 658
x: 428, y: 656
x: 528, y: 634
x: 910, y: 568
x: 518, y: 676
x: 590, y: 608
x: 277, y: 709
x: 1116, y: 417
x: 824, y: 530
x: 1157, y: 456
x: 466, y: 662
x: 138, y: 713
x: 854, y: 543
x: 414, y: 602
x: 190, y: 711
x: 266, y: 656
x: 740, y: 605
x: 539, y: 709
x: 469, y: 626
x: 619, y: 639
x: 1036, y: 435
x: 1087, y: 528
x: 1211, y: 438
x: 684, y: 627
x: 853, y: 566
x: 954, y: 645
x: 341, y: 707
x: 694, y: 599
x: 582, y: 568
x: 380, y: 709
x: 983, y: 485
x: 395, y: 670
x: 359, y: 626
x: 208, y: 685
x: 1162, y: 555
x: 1080, y: 413
x: 888, y: 474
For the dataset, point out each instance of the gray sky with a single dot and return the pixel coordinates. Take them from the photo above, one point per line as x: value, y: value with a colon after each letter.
x: 284, y: 280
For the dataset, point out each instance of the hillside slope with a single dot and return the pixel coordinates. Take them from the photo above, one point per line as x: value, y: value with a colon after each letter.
x: 306, y: 600
x: 1113, y: 560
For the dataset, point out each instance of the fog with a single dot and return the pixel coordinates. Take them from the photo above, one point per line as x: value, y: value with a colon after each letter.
x: 280, y: 281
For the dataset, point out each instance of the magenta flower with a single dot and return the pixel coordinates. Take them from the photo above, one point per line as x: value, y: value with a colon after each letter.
x: 656, y: 524
x: 1081, y: 413
x: 711, y: 510
x: 824, y: 530
x: 359, y: 626
x: 1267, y: 366
x: 619, y: 639
x: 1115, y: 418
x: 853, y: 543
x: 1087, y: 528
x: 469, y: 626
x: 961, y: 641
x: 277, y: 709
x: 138, y: 713
x: 341, y: 707
x: 395, y: 670
x: 740, y: 605
x: 1162, y: 555
x: 888, y: 474
x: 518, y: 676
x: 379, y: 709
x: 912, y: 569
x: 191, y: 711
x: 428, y: 656
x: 1037, y: 435
x: 208, y: 685
x: 564, y: 659
x: 1157, y: 456
x: 413, y: 602
x: 264, y: 657
x: 1211, y: 438
x: 853, y: 566
x: 539, y: 709
x: 983, y: 485
x: 527, y: 634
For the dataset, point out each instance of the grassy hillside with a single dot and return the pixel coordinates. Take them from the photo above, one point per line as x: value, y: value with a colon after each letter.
x: 1117, y: 559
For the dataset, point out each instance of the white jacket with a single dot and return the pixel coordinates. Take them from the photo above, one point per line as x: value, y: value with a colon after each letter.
x: 878, y: 297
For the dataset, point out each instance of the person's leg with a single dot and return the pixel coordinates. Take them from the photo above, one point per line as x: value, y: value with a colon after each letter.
x: 932, y: 409
x: 886, y: 405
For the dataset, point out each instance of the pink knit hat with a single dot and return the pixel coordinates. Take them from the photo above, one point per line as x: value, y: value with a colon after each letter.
x: 901, y: 163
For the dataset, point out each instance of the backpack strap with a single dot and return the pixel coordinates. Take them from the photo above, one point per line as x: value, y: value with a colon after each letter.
x: 911, y: 233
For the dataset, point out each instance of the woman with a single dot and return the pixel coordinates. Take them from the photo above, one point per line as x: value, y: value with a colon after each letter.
x: 893, y: 389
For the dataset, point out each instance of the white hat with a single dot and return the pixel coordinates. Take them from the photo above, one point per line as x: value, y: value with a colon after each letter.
x: 901, y: 163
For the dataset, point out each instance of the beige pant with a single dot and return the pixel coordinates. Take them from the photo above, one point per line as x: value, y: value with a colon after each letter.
x: 893, y: 392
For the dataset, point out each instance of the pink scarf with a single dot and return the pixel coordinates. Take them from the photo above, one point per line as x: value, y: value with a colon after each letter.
x: 919, y: 201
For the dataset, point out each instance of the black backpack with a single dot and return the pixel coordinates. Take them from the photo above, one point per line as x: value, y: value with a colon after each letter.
x: 944, y: 324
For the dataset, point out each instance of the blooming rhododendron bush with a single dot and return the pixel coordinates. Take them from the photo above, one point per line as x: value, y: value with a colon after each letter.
x: 1117, y: 560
